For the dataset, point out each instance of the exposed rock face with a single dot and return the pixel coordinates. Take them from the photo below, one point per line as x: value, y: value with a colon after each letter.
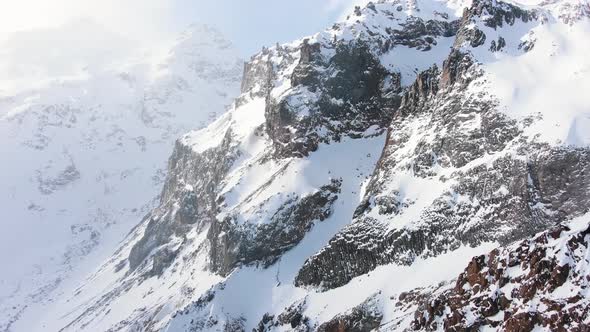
x: 494, y: 15
x: 420, y: 34
x: 526, y: 188
x: 349, y: 98
x: 257, y: 79
x: 497, y: 290
x: 265, y: 243
x: 365, y: 317
x: 230, y: 242
x: 291, y: 318
x: 188, y: 201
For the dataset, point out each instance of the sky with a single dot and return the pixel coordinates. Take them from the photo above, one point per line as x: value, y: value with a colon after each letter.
x: 254, y: 23
x: 249, y: 24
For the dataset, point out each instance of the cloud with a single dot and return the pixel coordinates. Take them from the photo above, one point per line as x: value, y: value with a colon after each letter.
x: 249, y: 24
x: 132, y: 18
x: 41, y: 40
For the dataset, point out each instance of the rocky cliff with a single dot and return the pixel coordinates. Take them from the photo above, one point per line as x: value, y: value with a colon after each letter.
x: 360, y: 170
x: 540, y: 281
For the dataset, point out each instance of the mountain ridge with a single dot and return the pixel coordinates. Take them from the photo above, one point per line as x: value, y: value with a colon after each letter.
x: 355, y: 163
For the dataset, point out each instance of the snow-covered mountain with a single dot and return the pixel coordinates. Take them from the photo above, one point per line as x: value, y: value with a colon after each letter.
x: 422, y: 165
x: 85, y: 152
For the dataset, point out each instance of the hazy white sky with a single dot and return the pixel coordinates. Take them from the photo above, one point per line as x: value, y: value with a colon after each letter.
x: 249, y: 24
x: 133, y: 16
x: 253, y: 23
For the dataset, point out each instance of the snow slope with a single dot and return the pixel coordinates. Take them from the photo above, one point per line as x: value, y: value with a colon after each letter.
x: 549, y: 81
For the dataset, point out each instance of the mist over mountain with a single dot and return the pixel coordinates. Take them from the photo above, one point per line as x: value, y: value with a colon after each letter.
x: 87, y: 144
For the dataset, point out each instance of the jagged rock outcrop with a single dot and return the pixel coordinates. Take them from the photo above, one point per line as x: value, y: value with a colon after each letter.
x: 349, y: 96
x: 539, y: 282
x: 420, y: 34
x: 501, y: 200
x: 188, y: 201
x: 257, y: 79
x: 364, y: 317
x: 265, y: 243
x: 508, y: 201
x: 493, y: 15
x: 291, y: 318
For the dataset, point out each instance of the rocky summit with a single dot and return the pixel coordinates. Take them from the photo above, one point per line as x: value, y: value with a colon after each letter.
x: 422, y: 165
